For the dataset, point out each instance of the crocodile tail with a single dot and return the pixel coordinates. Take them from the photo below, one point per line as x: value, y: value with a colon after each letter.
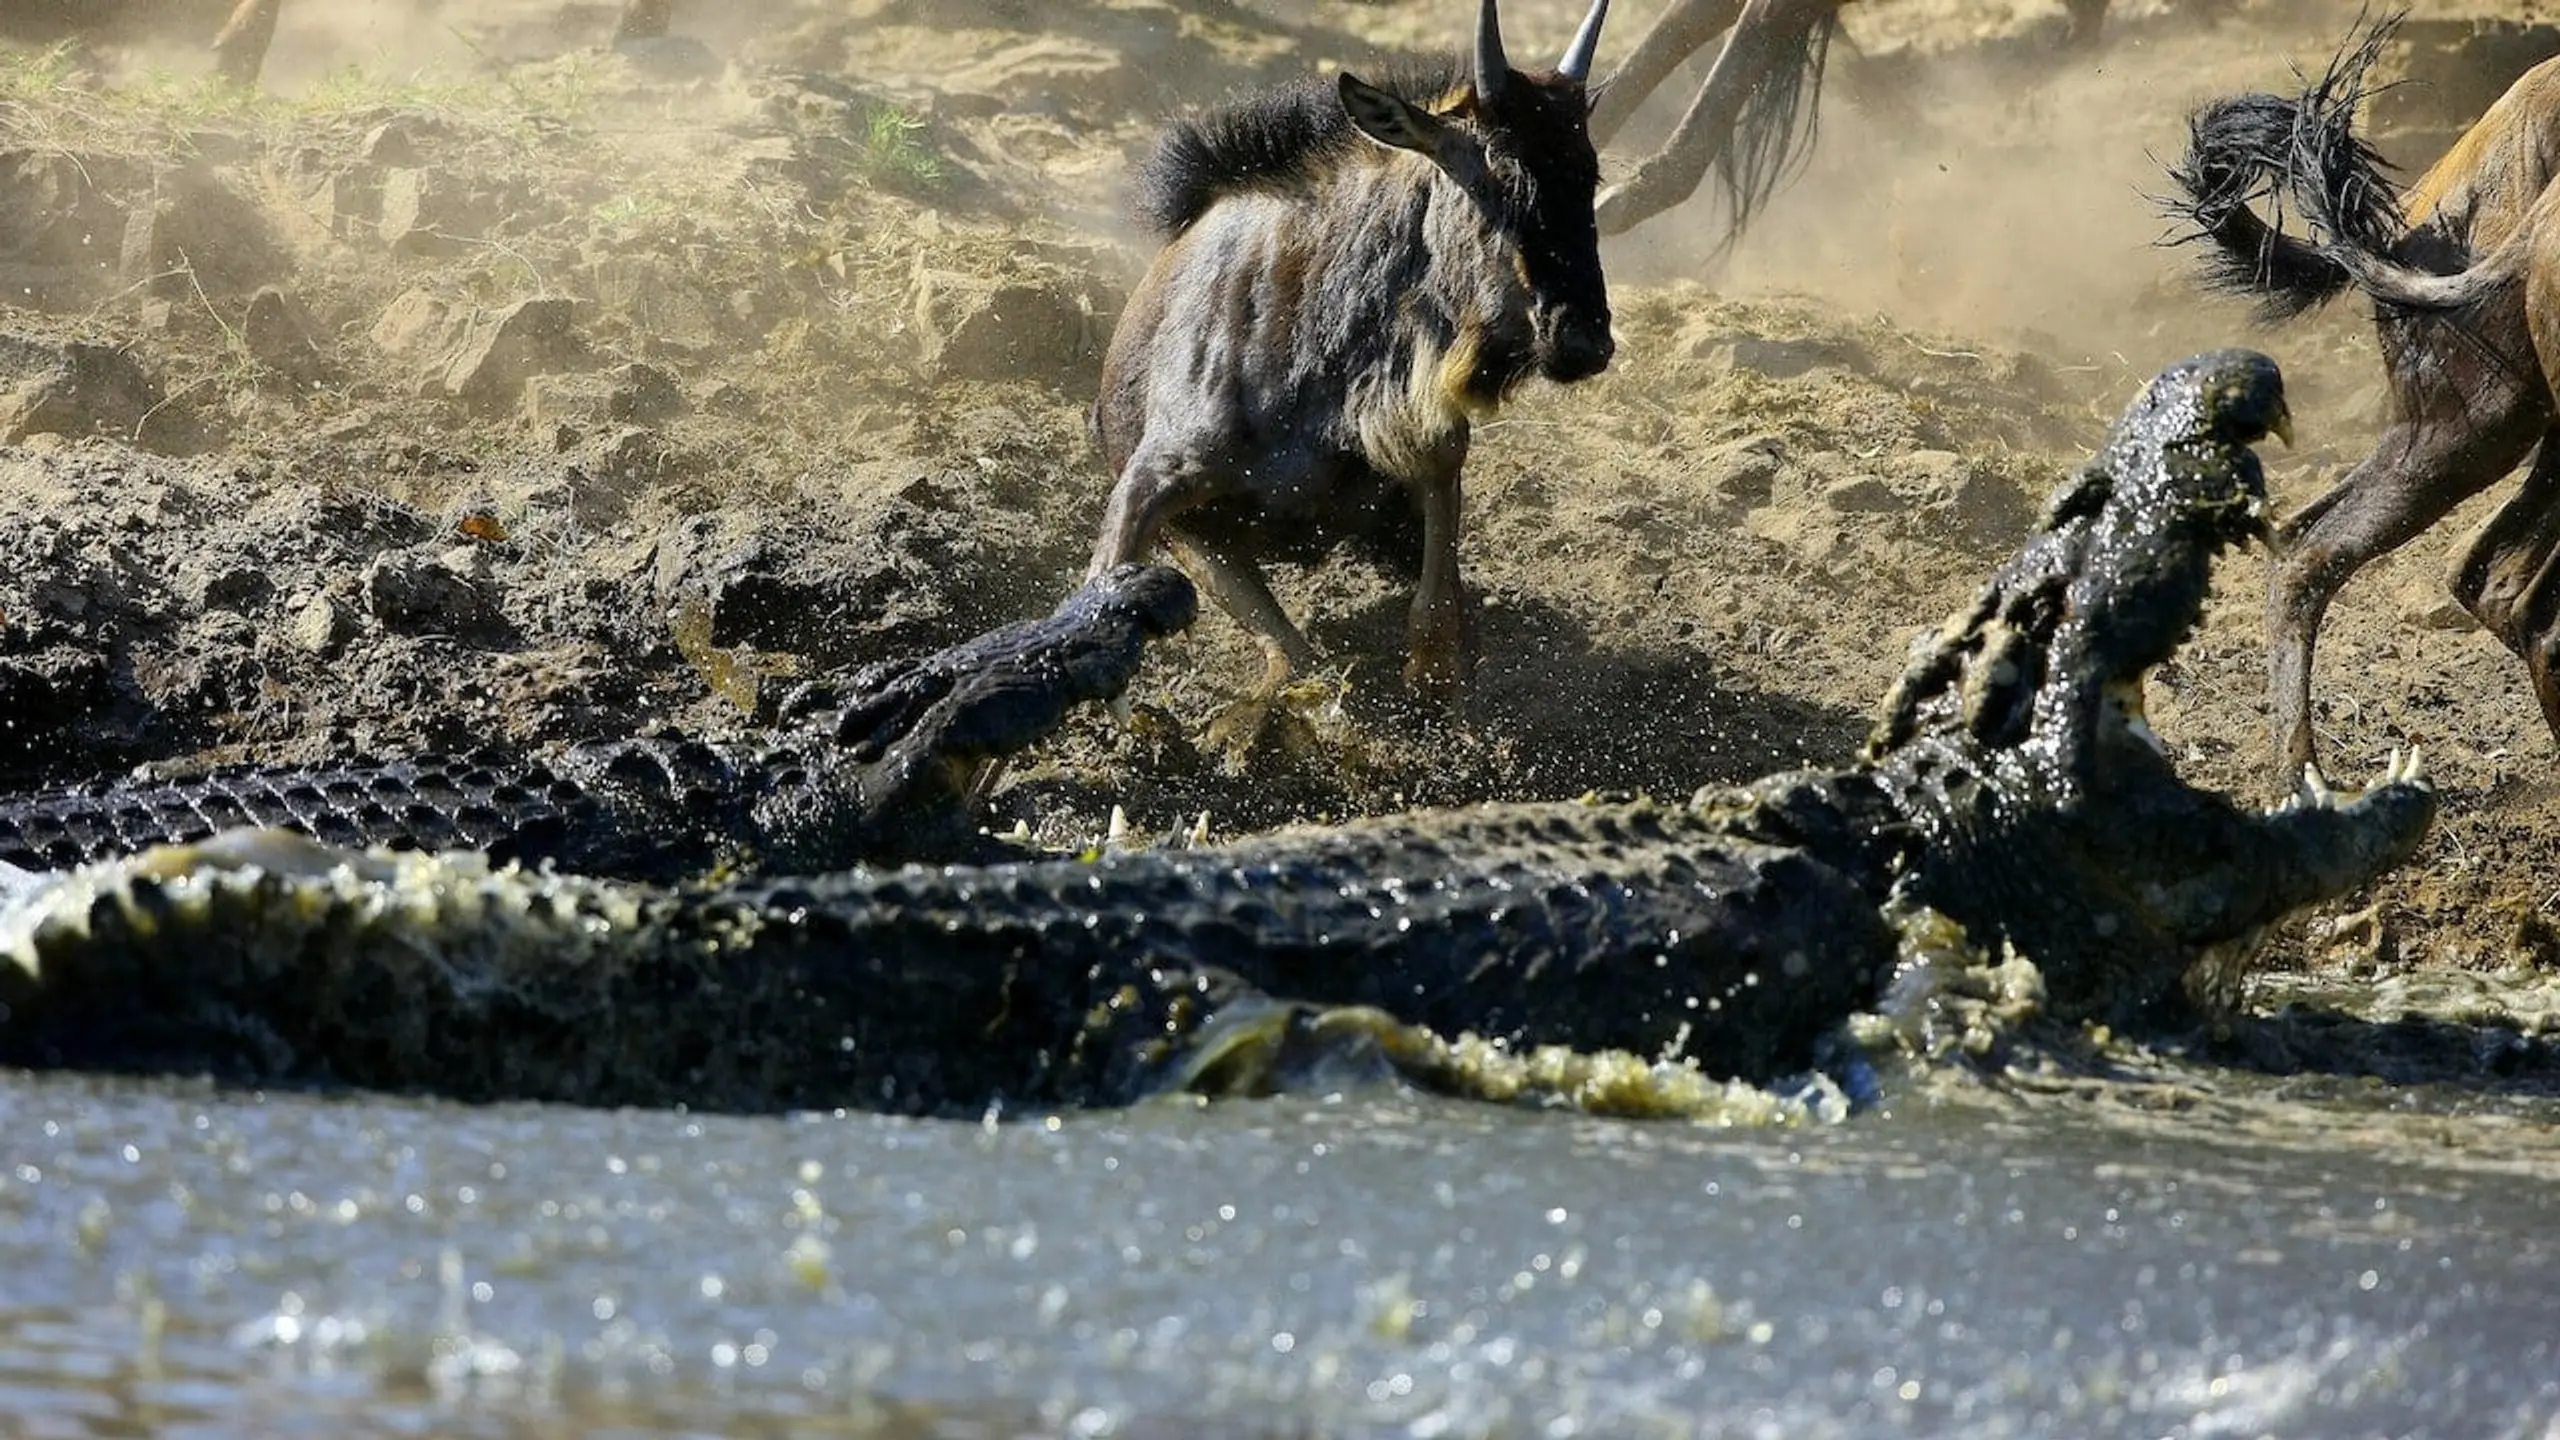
x: 2300, y: 154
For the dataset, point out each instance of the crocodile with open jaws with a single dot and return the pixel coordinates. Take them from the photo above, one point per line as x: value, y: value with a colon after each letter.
x: 2013, y: 787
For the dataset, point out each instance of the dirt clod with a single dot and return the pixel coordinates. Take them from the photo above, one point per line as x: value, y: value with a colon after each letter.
x: 443, y: 594
x: 77, y: 387
x: 504, y: 349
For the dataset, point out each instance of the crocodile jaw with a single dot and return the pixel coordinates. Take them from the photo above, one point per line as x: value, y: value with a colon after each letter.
x: 2314, y: 789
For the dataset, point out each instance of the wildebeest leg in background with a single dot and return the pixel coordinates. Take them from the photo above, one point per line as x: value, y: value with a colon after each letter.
x: 2507, y: 576
x: 2088, y: 18
x: 2422, y: 468
x: 1438, y: 659
x: 240, y: 50
x: 1680, y: 31
x: 1775, y: 55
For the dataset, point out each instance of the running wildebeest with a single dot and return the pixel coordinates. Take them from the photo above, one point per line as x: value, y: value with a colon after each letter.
x: 2464, y: 275
x: 1351, y: 274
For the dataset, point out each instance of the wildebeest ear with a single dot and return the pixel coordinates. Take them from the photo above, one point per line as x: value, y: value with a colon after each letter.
x: 1392, y: 120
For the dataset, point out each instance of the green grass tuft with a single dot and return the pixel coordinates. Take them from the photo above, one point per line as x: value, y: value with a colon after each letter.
x: 894, y: 153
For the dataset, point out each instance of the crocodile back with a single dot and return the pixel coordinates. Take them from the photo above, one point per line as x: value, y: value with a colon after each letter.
x: 432, y: 802
x: 644, y: 808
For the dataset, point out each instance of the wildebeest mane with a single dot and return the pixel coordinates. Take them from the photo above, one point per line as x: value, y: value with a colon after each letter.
x: 2303, y: 153
x: 1268, y: 140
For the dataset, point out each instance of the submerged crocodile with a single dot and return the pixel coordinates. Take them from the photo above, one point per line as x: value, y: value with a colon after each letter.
x: 2013, y: 788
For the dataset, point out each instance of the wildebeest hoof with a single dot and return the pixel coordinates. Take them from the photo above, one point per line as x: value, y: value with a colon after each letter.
x: 1441, y: 668
x: 1237, y: 728
x: 1439, y: 682
x: 1284, y: 718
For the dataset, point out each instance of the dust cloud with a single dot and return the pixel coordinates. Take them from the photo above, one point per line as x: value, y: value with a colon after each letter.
x: 1999, y: 190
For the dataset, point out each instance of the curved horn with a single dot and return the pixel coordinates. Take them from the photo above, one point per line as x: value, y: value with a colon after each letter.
x: 1492, y: 70
x: 1576, y: 64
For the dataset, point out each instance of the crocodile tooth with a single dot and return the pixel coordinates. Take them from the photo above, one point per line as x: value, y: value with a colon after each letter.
x: 2140, y: 729
x: 2130, y: 705
x: 2315, y: 787
x: 1199, y: 835
x: 2408, y: 769
x: 1118, y: 833
x: 2390, y: 770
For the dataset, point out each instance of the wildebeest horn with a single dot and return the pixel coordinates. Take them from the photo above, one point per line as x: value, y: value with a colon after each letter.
x: 1492, y: 70
x: 1576, y: 64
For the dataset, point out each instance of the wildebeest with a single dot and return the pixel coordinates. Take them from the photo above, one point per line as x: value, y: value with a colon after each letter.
x: 1351, y: 274
x: 2464, y: 275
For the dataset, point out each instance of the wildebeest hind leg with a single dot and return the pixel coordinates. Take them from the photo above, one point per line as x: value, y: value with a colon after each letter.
x: 1151, y: 490
x: 2413, y: 477
x: 2507, y: 578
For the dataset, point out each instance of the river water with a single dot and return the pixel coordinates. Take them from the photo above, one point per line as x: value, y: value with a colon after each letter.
x: 2216, y: 1256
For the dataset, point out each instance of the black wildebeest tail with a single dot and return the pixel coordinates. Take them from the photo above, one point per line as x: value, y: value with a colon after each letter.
x: 1774, y: 133
x: 2303, y: 154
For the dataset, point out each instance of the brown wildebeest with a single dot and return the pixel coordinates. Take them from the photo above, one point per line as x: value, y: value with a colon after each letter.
x: 2464, y: 275
x: 1351, y: 273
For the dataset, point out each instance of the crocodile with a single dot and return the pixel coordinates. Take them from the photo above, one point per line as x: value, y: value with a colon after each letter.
x: 881, y: 769
x: 2013, y: 788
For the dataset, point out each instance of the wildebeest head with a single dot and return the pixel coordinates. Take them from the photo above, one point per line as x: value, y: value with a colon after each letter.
x: 1519, y: 144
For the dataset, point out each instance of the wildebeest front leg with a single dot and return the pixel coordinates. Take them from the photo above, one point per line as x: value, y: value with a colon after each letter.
x: 2507, y: 576
x: 241, y: 48
x: 1438, y: 659
x: 2417, y: 474
x: 1131, y: 519
x: 1157, y: 484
